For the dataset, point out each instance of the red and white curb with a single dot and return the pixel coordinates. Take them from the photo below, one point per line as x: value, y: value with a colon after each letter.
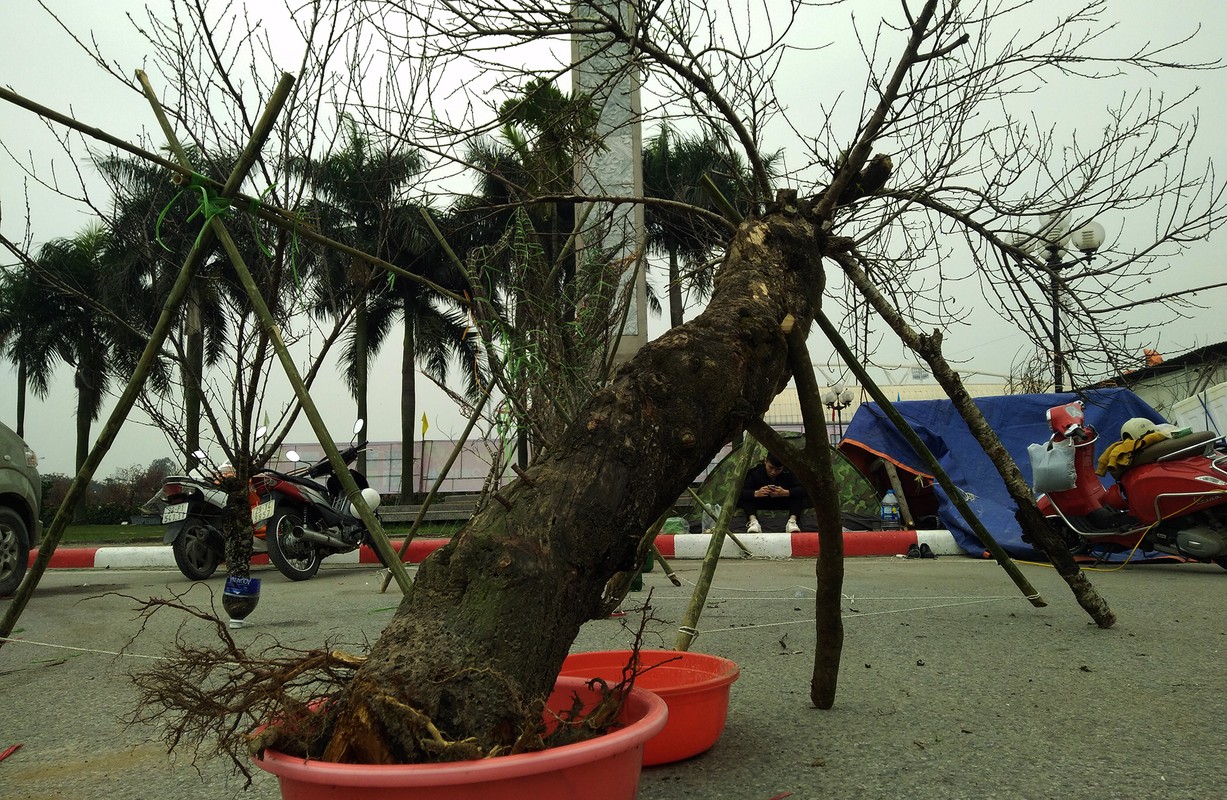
x: 671, y: 546
x: 805, y: 545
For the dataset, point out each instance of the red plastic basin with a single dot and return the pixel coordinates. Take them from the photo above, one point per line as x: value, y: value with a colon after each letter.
x: 604, y: 768
x: 695, y: 686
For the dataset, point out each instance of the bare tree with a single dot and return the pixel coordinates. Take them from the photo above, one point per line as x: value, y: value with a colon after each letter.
x: 919, y: 185
x: 217, y: 383
x: 984, y: 182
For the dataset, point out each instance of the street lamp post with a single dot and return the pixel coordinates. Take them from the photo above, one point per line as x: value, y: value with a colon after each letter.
x: 837, y: 399
x: 1087, y: 240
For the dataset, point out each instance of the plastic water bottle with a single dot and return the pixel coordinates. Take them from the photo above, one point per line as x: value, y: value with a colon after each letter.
x: 890, y: 511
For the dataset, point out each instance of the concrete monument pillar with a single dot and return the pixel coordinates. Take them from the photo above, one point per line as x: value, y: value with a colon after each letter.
x: 606, y: 73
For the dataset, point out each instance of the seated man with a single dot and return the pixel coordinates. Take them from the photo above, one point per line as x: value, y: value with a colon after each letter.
x: 770, y: 485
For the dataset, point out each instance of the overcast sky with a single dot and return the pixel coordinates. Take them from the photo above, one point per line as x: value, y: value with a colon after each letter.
x: 39, y: 61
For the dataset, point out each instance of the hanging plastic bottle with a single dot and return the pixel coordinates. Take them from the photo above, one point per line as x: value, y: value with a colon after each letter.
x: 890, y: 511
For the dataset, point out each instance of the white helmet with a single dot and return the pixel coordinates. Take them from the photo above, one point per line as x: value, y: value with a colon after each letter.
x: 1136, y: 428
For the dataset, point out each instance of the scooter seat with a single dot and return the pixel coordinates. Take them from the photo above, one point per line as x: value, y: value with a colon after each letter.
x: 1169, y: 449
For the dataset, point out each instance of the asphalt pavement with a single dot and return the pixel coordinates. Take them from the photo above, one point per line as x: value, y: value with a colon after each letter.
x: 952, y: 685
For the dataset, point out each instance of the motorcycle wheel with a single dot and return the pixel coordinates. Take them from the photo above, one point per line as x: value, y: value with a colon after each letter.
x: 197, y: 552
x: 294, y: 558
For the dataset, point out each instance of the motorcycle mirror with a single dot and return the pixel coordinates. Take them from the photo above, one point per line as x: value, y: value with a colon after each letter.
x: 358, y: 426
x: 199, y: 455
x: 260, y: 431
x: 292, y: 455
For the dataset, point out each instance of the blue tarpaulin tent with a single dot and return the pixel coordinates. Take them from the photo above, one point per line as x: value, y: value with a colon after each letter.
x: 1018, y: 420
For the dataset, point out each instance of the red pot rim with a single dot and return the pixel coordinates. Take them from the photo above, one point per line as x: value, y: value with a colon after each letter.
x: 723, y: 671
x: 648, y: 712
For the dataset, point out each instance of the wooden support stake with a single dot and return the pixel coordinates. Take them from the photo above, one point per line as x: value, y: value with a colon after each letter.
x: 378, y: 538
x: 664, y: 565
x: 926, y: 455
x: 161, y: 329
x: 905, y: 512
x: 687, y: 632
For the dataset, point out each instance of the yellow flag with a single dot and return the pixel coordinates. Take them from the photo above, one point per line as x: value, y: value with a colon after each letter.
x: 425, y: 424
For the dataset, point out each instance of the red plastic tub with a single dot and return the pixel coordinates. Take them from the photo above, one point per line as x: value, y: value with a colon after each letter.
x: 695, y: 686
x: 605, y: 768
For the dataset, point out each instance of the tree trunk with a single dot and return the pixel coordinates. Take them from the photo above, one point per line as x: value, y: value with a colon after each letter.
x: 408, y: 407
x: 361, y: 359
x: 675, y: 290
x: 85, y: 419
x: 481, y: 636
x: 236, y: 523
x: 193, y: 373
x: 21, y: 397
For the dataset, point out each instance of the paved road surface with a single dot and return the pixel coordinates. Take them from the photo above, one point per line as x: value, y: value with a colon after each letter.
x: 952, y: 686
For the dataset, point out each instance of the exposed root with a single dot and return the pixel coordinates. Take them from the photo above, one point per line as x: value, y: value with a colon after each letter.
x: 209, y: 698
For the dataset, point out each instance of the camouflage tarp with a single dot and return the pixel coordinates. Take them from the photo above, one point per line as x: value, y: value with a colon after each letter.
x: 857, y: 498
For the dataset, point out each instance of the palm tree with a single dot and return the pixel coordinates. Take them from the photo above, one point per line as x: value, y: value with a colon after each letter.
x: 355, y: 189
x: 151, y: 236
x: 515, y: 227
x: 360, y: 200
x: 673, y: 169
x: 21, y: 322
x: 436, y: 332
x: 74, y: 326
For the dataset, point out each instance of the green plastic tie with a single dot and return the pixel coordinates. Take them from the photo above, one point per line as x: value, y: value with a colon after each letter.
x: 210, y: 206
x: 253, y: 208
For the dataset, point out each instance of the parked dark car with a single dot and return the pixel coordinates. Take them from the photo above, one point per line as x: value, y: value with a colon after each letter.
x: 21, y: 492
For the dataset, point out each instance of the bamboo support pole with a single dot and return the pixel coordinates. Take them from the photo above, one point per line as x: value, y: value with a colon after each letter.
x: 711, y: 512
x: 286, y: 220
x: 905, y: 511
x: 664, y: 566
x: 687, y: 632
x: 127, y: 398
x: 434, y: 489
x: 926, y: 455
x: 378, y: 538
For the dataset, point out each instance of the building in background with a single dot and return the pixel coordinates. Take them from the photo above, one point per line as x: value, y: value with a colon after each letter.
x: 472, y: 467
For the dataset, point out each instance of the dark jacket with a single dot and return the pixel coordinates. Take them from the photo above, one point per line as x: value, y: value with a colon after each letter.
x: 757, y: 478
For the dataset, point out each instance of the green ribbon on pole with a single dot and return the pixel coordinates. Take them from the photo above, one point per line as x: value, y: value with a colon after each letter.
x: 210, y: 206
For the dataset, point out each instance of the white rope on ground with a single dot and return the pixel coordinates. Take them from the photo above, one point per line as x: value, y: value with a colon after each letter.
x: 736, y: 589
x: 693, y: 632
x: 848, y: 598
x: 80, y: 649
x: 855, y: 616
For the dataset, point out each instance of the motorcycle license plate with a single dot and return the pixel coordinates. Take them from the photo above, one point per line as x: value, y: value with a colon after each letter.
x: 174, y: 513
x: 262, y: 511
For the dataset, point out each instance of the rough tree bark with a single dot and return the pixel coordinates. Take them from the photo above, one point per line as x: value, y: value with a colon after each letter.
x: 486, y: 626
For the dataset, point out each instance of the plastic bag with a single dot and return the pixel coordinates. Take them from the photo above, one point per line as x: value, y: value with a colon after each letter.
x: 675, y: 525
x: 1052, y: 466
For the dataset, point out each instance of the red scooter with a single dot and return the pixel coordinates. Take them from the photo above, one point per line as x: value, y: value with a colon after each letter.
x: 1170, y: 498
